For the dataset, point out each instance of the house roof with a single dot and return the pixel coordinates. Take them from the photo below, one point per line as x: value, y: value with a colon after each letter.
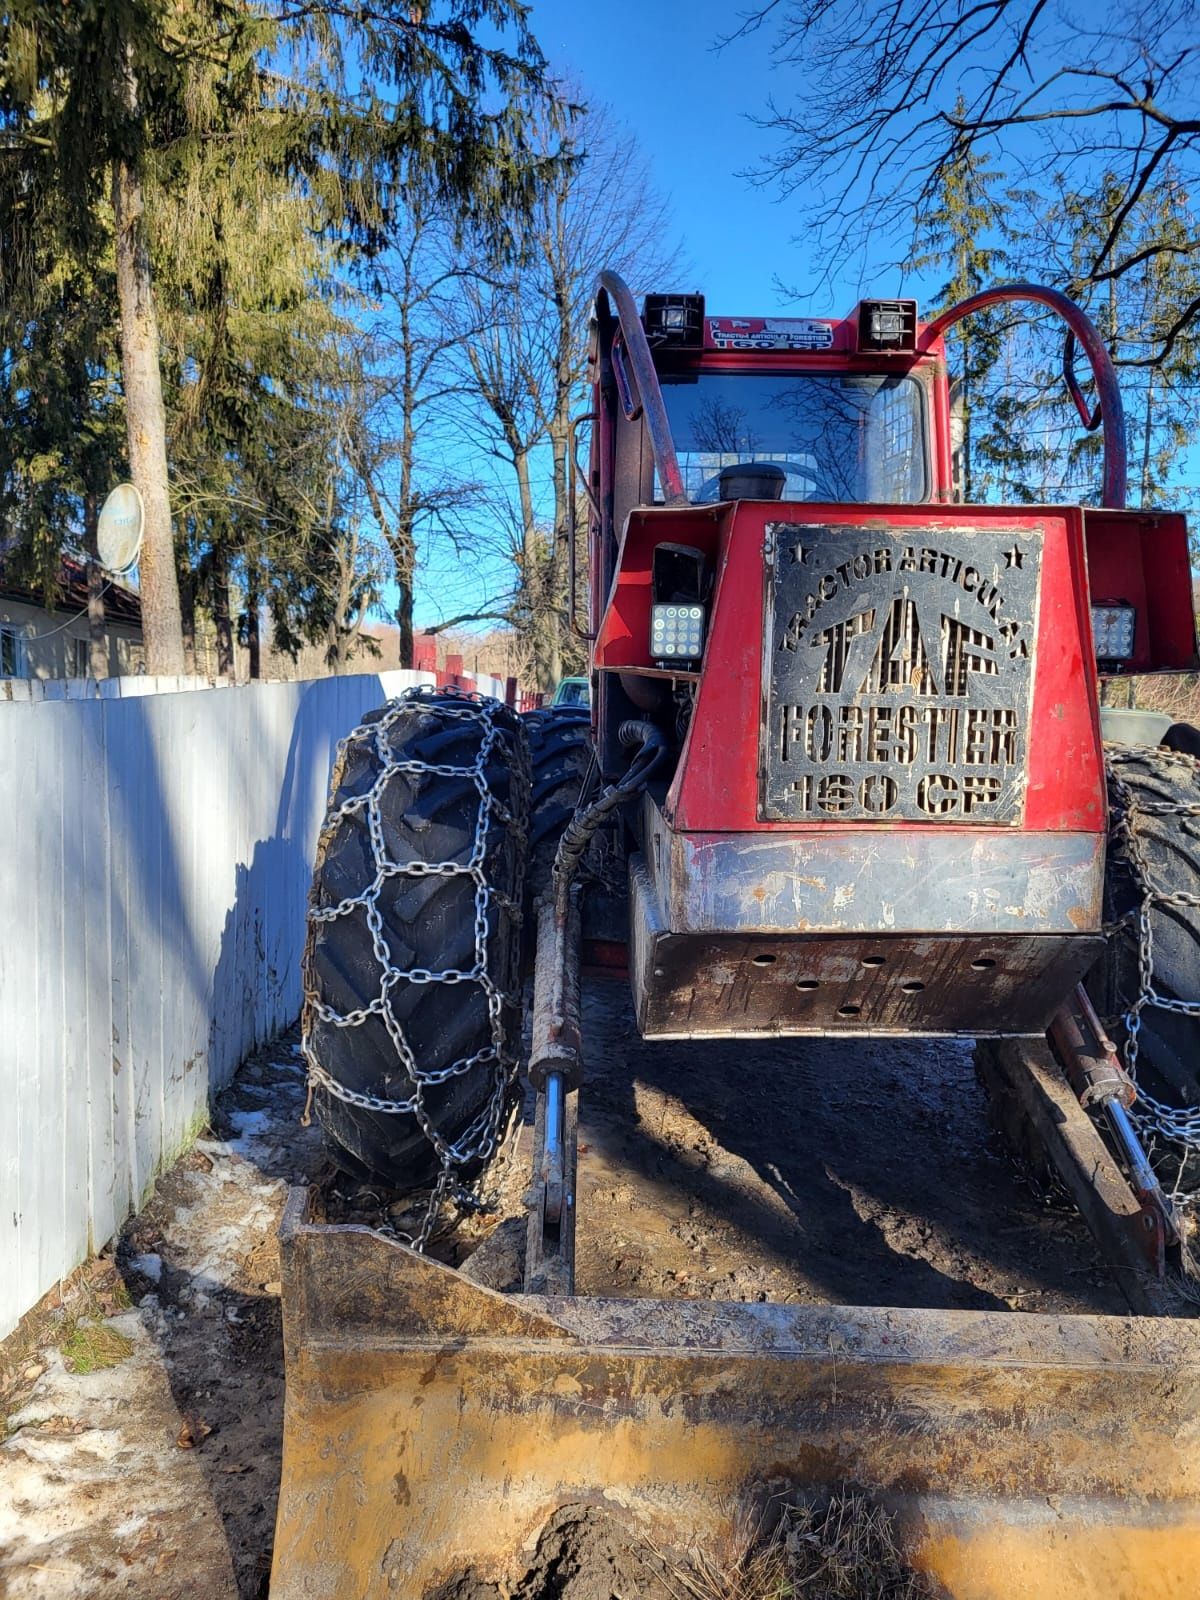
x: 120, y: 605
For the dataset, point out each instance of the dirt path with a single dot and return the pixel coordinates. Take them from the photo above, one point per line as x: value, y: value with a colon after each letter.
x: 849, y: 1172
x: 156, y: 1477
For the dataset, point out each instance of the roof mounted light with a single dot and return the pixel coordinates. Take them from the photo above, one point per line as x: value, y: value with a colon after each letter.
x: 888, y: 327
x: 674, y: 319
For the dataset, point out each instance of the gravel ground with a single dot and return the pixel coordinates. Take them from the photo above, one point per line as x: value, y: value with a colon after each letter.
x: 819, y: 1171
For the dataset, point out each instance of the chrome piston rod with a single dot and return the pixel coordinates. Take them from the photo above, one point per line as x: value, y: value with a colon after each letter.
x: 552, y: 1149
x: 1102, y: 1084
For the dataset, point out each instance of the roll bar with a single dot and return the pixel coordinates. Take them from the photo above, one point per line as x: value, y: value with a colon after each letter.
x: 1080, y: 326
x: 646, y: 395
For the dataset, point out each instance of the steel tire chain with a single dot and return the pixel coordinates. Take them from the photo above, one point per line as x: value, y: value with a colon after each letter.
x: 479, y: 1140
x: 1180, y: 1126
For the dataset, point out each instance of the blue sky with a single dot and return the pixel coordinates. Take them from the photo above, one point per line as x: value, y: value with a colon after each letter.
x: 656, y: 66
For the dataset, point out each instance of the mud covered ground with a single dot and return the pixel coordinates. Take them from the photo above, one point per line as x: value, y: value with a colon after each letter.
x: 849, y: 1172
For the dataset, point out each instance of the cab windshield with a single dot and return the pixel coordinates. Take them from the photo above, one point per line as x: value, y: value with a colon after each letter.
x: 839, y: 436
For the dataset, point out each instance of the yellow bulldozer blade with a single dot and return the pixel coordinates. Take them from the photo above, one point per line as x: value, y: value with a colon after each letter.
x: 435, y: 1426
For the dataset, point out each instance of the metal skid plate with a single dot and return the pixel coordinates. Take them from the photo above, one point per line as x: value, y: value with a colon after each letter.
x: 731, y: 983
x: 898, y: 673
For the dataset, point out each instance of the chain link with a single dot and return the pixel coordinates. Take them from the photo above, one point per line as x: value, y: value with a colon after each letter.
x: 478, y: 1142
x: 1179, y: 1126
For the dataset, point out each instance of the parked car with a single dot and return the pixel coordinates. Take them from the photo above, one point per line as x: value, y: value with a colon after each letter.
x: 572, y: 692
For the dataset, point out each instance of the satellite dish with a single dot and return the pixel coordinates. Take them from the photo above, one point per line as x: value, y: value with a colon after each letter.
x: 119, y: 532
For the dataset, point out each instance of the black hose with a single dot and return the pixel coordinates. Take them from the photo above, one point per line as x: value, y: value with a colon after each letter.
x: 650, y: 746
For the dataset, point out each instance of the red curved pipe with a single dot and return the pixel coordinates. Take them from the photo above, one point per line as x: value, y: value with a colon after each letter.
x: 1111, y: 410
x: 649, y: 391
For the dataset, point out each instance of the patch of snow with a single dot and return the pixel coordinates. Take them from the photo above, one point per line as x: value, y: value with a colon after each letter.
x: 150, y: 1266
x: 249, y: 1124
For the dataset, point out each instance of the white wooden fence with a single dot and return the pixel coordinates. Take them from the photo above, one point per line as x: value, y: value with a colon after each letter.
x: 152, y: 892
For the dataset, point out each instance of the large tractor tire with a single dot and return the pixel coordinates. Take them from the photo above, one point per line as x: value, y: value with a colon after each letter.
x: 1154, y: 800
x: 412, y: 965
x: 560, y: 752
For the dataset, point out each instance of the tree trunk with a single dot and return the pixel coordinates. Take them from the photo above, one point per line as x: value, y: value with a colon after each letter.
x: 253, y: 634
x: 404, y: 621
x: 221, y: 615
x: 187, y: 607
x: 564, y: 533
x: 97, y: 636
x: 345, y: 628
x: 141, y: 380
x: 404, y: 558
x: 539, y: 591
x: 402, y: 542
x: 1147, y: 439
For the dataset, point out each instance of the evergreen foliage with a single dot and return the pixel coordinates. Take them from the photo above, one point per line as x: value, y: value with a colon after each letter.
x: 258, y: 151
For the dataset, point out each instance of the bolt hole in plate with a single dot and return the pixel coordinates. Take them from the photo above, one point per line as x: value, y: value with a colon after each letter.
x: 763, y: 961
x: 874, y: 961
x: 807, y: 985
x: 911, y: 988
x: 983, y: 963
x: 848, y: 1011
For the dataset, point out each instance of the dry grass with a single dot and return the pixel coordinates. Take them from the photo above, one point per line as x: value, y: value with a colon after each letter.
x: 845, y: 1549
x: 1176, y: 694
x: 92, y: 1345
x: 94, y: 1290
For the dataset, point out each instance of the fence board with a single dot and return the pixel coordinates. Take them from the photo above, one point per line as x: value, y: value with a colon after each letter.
x: 43, y: 1183
x: 159, y: 844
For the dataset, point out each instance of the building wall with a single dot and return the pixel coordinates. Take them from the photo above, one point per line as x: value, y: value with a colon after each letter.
x: 158, y: 848
x: 56, y: 643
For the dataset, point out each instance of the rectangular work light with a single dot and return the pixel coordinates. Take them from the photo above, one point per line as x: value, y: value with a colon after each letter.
x: 1113, y: 624
x: 679, y: 588
x: 888, y: 326
x: 676, y: 632
x: 674, y: 319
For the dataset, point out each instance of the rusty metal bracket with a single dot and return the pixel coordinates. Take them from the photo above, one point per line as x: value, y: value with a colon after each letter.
x: 1022, y: 1074
x: 1094, y: 1071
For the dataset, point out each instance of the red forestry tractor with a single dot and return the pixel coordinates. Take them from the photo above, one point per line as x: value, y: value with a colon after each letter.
x: 847, y: 772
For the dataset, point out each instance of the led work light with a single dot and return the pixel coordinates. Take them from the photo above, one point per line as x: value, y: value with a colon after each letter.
x: 1113, y: 623
x: 676, y: 632
x: 679, y: 588
x: 674, y: 319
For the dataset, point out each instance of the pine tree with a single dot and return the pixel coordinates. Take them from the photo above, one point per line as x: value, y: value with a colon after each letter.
x: 110, y: 111
x: 1132, y: 310
x: 953, y: 237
